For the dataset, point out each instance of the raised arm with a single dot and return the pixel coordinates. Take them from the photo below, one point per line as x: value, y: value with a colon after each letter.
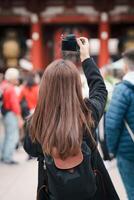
x: 97, y: 89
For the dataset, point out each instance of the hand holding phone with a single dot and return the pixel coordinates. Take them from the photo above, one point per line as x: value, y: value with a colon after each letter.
x: 84, y: 48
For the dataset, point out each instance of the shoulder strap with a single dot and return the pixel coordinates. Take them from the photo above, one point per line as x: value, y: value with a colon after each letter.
x: 126, y: 124
x: 129, y: 130
x: 94, y: 158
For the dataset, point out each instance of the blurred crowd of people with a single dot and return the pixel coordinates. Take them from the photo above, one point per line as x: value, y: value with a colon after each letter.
x: 18, y: 98
x: 118, y: 134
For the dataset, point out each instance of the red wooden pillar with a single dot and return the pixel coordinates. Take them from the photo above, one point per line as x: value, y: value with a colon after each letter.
x: 57, y: 43
x: 37, y: 44
x: 104, y: 56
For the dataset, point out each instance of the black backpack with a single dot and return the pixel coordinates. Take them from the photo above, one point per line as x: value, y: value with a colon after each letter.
x: 1, y: 101
x: 3, y: 111
x: 1, y: 98
x: 65, y: 185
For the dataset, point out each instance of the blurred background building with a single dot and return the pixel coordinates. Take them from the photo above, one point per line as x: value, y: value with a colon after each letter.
x: 30, y: 38
x: 31, y: 30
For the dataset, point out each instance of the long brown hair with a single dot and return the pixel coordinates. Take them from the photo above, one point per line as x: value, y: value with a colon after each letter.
x: 61, y: 113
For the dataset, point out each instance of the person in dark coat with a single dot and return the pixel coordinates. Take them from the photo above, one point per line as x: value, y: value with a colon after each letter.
x: 93, y: 107
x: 121, y: 111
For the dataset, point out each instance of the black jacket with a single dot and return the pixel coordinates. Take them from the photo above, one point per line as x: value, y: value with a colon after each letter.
x: 96, y: 103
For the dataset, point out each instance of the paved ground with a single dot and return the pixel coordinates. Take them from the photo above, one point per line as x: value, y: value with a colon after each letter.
x: 18, y: 182
x: 115, y: 176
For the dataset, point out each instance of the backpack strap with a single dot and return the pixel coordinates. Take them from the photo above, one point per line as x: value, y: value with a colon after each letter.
x: 94, y: 158
x: 125, y: 122
x: 129, y: 130
x: 42, y: 191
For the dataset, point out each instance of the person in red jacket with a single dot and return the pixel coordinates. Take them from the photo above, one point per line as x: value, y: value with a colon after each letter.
x: 28, y: 96
x: 11, y: 116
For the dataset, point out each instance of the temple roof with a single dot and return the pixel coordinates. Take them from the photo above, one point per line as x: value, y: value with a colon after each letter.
x: 40, y: 5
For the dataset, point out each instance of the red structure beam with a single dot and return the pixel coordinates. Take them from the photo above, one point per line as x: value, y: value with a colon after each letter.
x: 5, y: 20
x: 77, y: 19
x: 72, y: 19
x: 123, y: 18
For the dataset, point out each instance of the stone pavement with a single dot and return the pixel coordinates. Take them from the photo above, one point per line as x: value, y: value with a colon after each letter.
x: 19, y: 182
x: 116, y: 179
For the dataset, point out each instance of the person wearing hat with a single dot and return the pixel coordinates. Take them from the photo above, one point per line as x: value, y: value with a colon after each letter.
x: 11, y: 116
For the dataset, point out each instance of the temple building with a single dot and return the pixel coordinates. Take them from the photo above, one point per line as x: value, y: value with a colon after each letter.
x: 32, y: 29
